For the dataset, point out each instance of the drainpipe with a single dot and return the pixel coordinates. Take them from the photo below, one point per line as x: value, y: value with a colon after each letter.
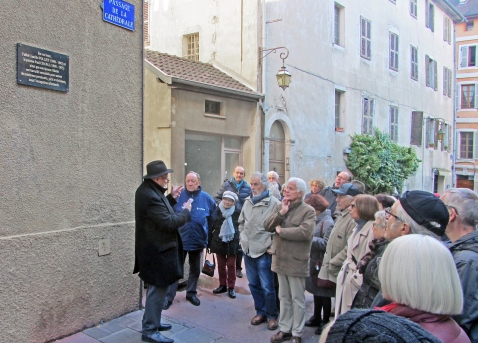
x: 455, y: 105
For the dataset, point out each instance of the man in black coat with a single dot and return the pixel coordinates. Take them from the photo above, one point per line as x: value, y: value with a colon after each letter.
x: 158, y: 247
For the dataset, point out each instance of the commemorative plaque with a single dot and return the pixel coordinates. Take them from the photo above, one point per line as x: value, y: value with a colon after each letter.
x: 42, y: 68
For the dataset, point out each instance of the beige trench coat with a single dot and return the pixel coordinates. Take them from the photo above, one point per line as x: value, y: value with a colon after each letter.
x: 349, y: 279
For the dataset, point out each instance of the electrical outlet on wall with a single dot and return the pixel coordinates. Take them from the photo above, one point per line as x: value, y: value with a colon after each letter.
x: 104, y: 247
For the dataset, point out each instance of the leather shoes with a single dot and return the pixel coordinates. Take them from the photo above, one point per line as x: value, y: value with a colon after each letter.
x: 319, y: 330
x: 193, y: 299
x: 313, y: 321
x: 220, y: 289
x: 272, y: 324
x: 239, y: 273
x: 167, y: 304
x: 258, y: 320
x: 281, y: 337
x: 231, y: 293
x: 164, y: 327
x: 156, y: 338
x: 296, y: 339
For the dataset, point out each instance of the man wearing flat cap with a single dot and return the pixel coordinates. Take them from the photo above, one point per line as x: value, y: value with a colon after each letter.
x: 158, y: 248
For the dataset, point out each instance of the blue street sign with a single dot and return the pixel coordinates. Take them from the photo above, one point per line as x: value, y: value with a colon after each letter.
x: 119, y: 13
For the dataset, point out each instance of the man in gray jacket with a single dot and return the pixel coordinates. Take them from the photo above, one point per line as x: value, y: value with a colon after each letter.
x: 462, y: 204
x: 255, y: 241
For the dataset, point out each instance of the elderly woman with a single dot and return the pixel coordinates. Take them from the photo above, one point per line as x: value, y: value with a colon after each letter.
x: 349, y: 280
x: 322, y: 297
x: 224, y: 241
x: 419, y: 276
x: 316, y: 185
x: 368, y: 265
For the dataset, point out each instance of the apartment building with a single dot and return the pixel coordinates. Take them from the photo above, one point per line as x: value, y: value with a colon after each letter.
x: 466, y: 164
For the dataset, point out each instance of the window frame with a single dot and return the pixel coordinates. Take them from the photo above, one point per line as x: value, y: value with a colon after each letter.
x: 447, y: 29
x: 465, y: 58
x: 472, y: 148
x: 461, y: 96
x: 447, y: 81
x: 431, y: 73
x: 191, y: 46
x: 430, y: 15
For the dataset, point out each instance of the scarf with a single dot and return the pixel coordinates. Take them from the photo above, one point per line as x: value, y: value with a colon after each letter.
x: 238, y: 185
x: 227, y: 228
x: 261, y: 196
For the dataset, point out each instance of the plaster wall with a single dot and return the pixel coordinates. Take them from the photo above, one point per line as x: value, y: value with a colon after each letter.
x: 69, y: 165
x: 239, y: 120
x: 229, y: 32
x: 318, y: 67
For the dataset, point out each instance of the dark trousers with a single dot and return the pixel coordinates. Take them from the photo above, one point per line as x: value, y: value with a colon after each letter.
x: 194, y: 272
x: 226, y: 267
x: 324, y: 303
x: 152, y: 311
x: 239, y: 259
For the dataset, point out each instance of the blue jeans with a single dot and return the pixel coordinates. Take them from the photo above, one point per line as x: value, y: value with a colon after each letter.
x: 261, y: 284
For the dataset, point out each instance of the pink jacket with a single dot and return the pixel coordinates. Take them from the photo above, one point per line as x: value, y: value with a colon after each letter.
x: 440, y: 325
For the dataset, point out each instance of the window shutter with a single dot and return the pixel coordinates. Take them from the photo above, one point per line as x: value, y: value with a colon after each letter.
x: 417, y: 128
x: 435, y: 133
x: 369, y: 40
x: 475, y: 145
x: 463, y: 56
x: 427, y: 70
x: 362, y: 36
x: 431, y: 15
x: 427, y: 15
x: 396, y: 55
x: 435, y: 70
x: 473, y: 96
x: 450, y: 75
x: 445, y: 30
x: 445, y: 83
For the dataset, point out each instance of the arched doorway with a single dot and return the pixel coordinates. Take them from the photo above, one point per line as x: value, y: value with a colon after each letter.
x: 277, y: 149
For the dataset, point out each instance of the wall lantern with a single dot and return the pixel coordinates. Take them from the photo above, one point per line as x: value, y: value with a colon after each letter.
x: 283, y: 76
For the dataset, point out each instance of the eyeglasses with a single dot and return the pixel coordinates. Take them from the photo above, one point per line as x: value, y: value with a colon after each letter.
x: 165, y: 178
x: 388, y: 211
x: 453, y: 207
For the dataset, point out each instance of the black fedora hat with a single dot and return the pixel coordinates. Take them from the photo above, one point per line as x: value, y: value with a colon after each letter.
x: 156, y: 169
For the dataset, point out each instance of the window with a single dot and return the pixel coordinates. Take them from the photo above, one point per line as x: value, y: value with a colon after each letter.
x: 431, y: 129
x: 393, y: 63
x: 431, y: 72
x: 191, y: 47
x: 446, y: 29
x: 467, y: 56
x: 468, y: 96
x: 417, y: 128
x: 470, y: 25
x: 413, y: 8
x: 365, y: 38
x: 337, y: 108
x: 430, y: 15
x: 447, y: 81
x: 367, y: 122
x: 394, y: 123
x: 467, y: 142
x: 414, y: 62
x: 212, y: 107
x: 339, y: 20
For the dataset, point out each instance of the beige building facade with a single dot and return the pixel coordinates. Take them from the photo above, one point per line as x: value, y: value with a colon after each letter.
x: 70, y: 163
x: 467, y: 103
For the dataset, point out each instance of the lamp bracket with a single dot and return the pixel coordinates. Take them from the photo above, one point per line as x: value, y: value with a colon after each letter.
x: 283, y: 55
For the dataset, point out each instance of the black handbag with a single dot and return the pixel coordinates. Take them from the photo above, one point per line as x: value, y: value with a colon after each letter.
x: 209, y: 267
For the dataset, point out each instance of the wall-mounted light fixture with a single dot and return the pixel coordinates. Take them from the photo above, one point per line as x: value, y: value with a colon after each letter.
x: 283, y: 76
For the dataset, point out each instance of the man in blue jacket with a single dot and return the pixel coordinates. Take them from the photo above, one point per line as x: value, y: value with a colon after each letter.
x: 193, y: 234
x: 237, y: 185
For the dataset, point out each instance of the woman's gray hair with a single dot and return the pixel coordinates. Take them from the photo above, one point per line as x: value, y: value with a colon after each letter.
x: 300, y: 184
x: 466, y: 203
x: 414, y: 226
x: 273, y: 174
x: 380, y: 218
x: 419, y: 271
x: 264, y: 180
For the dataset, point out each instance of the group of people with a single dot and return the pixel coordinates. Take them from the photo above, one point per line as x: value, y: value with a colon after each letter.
x: 366, y: 251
